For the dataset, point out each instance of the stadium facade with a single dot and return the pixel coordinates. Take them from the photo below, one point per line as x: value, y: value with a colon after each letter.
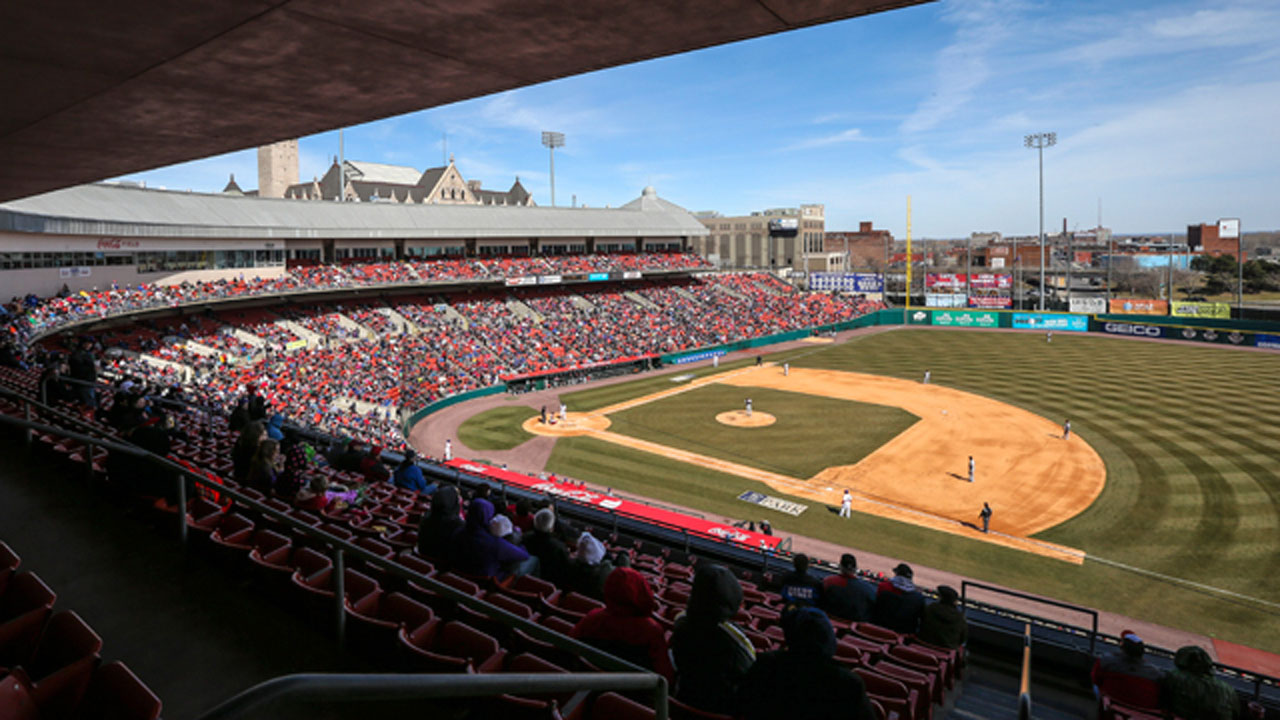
x: 98, y: 235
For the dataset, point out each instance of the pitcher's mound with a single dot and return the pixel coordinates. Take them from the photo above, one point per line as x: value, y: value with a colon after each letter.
x: 739, y: 418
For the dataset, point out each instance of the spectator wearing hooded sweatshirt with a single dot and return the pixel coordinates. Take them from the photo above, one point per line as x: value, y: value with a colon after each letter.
x: 441, y: 524
x: 476, y: 551
x: 711, y: 654
x: 275, y: 427
x: 625, y: 626
x: 590, y: 568
x: 803, y: 682
x: 847, y: 596
x: 554, y: 563
x: 408, y: 475
x: 1190, y: 689
x: 899, y: 604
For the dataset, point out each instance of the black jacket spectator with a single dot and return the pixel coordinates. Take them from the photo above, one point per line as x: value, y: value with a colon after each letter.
x: 441, y: 524
x: 711, y: 654
x: 554, y: 563
x: 799, y: 588
x: 941, y: 623
x: 803, y: 682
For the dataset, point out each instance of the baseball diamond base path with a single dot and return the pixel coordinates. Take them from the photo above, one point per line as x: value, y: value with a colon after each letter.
x: 1032, y: 478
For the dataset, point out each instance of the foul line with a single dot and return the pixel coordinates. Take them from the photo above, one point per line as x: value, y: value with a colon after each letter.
x: 1183, y: 581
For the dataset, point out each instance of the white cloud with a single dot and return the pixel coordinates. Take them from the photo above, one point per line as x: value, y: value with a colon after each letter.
x: 844, y: 136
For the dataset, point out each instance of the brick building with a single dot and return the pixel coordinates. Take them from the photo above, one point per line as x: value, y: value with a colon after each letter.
x: 1203, y: 238
x: 865, y: 248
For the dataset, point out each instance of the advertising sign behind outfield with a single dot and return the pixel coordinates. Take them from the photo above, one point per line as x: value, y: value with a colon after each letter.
x: 846, y: 282
x: 1045, y: 321
x: 1139, y: 306
x: 1222, y: 337
x: 1209, y: 335
x: 1132, y: 329
x: 1219, y: 311
x: 919, y: 317
x: 1089, y: 305
x: 773, y: 503
x: 990, y: 281
x: 944, y: 300
x: 944, y: 281
x: 1268, y: 341
x: 966, y: 318
x: 517, y: 281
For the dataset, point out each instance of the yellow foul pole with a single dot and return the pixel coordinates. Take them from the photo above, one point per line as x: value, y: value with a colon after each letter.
x: 908, y: 253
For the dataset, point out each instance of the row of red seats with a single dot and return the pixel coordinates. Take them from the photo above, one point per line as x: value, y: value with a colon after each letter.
x: 50, y: 664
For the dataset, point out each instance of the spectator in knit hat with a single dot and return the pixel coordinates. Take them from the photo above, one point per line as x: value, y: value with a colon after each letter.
x: 590, y: 568
x: 941, y: 623
x: 554, y: 563
x: 898, y: 603
x: 1125, y: 675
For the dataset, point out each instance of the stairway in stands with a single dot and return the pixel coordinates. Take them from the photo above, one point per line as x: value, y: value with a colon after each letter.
x: 992, y: 694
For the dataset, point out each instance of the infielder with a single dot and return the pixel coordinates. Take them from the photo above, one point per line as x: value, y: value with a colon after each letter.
x: 927, y: 375
x: 846, y: 504
x: 970, y: 468
x: 564, y: 412
x: 748, y: 407
x: 1066, y: 430
x: 715, y: 361
x: 786, y: 369
x: 986, y: 517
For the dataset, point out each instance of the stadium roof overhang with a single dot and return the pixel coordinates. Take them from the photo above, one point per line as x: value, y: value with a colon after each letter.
x: 95, y: 90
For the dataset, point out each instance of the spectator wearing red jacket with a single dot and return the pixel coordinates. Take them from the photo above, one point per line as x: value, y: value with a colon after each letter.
x: 625, y: 626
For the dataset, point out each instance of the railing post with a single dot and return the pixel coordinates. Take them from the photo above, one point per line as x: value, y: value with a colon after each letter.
x: 26, y: 413
x: 1024, y: 689
x: 660, y: 708
x: 685, y: 533
x: 182, y: 509
x: 88, y: 463
x: 614, y: 513
x: 339, y: 596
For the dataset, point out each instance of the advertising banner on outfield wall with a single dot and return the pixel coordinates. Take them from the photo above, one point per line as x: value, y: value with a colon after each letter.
x: 1221, y: 337
x: 1131, y: 329
x: 947, y: 300
x: 920, y: 317
x: 1045, y: 321
x: 1268, y: 341
x: 1137, y: 306
x: 966, y: 318
x: 990, y: 301
x: 1089, y: 305
x: 1220, y: 311
x: 516, y: 281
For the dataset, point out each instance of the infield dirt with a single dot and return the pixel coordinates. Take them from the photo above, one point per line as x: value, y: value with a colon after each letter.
x: 1031, y: 476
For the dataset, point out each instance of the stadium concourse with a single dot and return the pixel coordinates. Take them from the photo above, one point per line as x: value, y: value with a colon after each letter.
x: 275, y: 522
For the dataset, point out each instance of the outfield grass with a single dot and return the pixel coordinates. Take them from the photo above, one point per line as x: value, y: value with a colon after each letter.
x: 496, y: 429
x: 853, y: 429
x: 1187, y: 433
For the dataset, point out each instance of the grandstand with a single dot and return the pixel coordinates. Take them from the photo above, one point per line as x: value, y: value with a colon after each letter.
x: 462, y: 332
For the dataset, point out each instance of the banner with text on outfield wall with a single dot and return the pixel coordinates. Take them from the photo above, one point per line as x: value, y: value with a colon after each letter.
x: 965, y: 318
x: 1045, y: 321
x: 1271, y: 342
x: 1089, y: 305
x: 1139, y: 306
x: 1171, y: 332
x: 1218, y: 311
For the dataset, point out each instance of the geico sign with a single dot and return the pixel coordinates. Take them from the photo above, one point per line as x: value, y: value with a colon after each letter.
x: 1127, y: 329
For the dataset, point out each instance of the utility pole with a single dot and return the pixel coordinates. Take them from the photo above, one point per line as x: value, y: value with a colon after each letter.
x: 551, y: 141
x: 908, y: 306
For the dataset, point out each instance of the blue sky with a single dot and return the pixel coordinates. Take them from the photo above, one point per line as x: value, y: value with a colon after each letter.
x: 1168, y: 112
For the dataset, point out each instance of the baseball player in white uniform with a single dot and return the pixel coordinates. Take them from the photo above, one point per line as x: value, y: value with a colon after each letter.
x: 748, y: 407
x: 1066, y: 430
x: 970, y: 468
x: 448, y: 450
x: 846, y: 504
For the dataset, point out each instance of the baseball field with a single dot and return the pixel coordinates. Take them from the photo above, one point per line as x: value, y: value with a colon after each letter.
x: 1163, y: 504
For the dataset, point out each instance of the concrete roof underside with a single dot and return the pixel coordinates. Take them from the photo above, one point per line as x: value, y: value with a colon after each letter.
x: 94, y: 90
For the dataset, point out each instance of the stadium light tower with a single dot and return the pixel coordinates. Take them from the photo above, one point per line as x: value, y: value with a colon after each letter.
x: 553, y: 140
x: 1040, y: 141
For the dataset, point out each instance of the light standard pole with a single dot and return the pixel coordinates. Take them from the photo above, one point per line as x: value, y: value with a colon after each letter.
x: 1040, y: 141
x: 553, y: 140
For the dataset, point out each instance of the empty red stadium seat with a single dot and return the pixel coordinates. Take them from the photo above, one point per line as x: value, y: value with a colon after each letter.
x: 572, y: 606
x: 451, y: 647
x: 612, y: 706
x: 63, y: 664
x: 375, y: 621
x: 9, y: 562
x: 912, y: 705
x: 16, y: 697
x: 115, y: 693
x: 25, y: 606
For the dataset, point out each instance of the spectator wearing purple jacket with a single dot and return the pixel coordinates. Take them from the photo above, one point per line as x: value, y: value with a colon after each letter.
x: 477, y: 551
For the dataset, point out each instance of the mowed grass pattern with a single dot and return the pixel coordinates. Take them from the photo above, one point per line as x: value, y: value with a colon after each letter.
x: 496, y: 429
x: 851, y: 429
x: 1187, y: 433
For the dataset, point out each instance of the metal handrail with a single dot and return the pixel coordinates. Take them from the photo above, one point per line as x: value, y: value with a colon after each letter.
x: 390, y: 687
x: 340, y: 546
x: 1093, y: 614
x: 1024, y: 685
